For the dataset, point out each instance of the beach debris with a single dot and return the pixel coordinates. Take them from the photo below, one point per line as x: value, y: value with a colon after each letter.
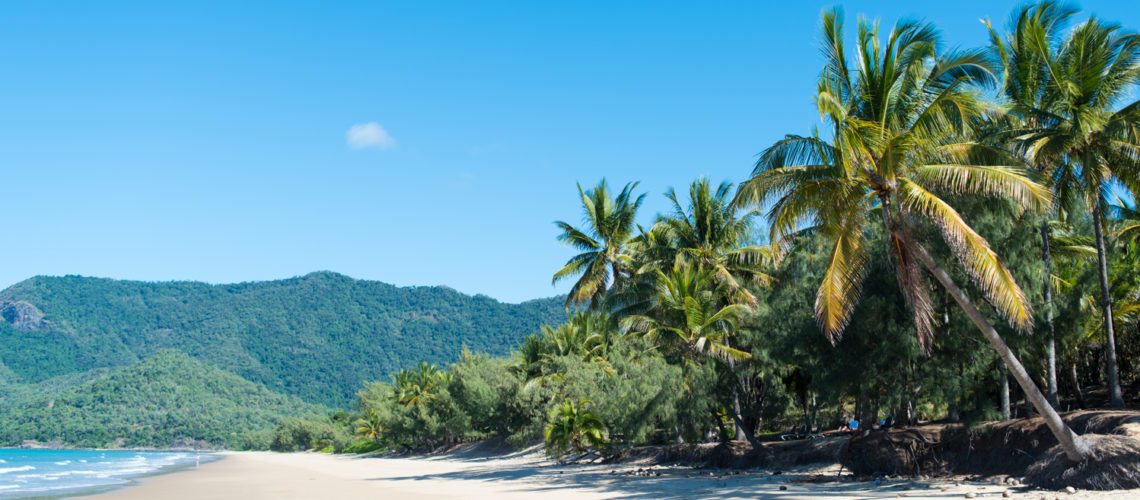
x: 1070, y: 490
x: 971, y: 495
x: 1005, y: 494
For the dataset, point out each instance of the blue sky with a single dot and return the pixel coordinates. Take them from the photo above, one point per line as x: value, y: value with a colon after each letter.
x: 210, y: 141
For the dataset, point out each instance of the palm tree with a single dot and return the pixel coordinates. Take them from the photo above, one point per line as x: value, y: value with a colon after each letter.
x: 709, y: 234
x: 1128, y: 218
x: 610, y: 223
x: 901, y: 120
x: 574, y: 426
x: 688, y: 316
x: 419, y: 385
x: 370, y: 426
x: 1077, y: 126
x: 1024, y: 85
x: 586, y: 335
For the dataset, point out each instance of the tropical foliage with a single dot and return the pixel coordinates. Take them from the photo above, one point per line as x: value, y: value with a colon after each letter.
x: 963, y: 218
x: 934, y: 225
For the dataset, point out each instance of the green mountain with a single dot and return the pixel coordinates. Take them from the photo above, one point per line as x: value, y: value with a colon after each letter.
x: 318, y: 337
x: 164, y: 400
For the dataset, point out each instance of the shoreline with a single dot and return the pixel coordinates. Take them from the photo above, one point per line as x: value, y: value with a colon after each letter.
x: 192, y: 461
x: 266, y: 475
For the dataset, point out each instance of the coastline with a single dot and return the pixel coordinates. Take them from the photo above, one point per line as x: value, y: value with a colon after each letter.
x: 265, y: 475
x: 35, y: 475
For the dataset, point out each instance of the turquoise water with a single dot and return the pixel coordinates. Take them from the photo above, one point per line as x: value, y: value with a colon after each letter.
x: 37, y: 473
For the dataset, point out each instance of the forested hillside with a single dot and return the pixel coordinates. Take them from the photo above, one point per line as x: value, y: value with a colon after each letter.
x: 318, y: 337
x: 167, y: 399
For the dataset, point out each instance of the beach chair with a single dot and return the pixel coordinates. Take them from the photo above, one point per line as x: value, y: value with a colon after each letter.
x: 817, y: 433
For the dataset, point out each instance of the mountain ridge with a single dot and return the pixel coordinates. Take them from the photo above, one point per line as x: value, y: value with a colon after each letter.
x: 318, y: 336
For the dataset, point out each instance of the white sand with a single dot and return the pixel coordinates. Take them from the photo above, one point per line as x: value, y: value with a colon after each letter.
x: 258, y: 475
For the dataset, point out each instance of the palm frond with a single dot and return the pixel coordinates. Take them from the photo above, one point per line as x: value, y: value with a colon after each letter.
x: 975, y: 254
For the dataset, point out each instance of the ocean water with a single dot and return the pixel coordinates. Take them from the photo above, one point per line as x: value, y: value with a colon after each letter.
x: 51, y: 473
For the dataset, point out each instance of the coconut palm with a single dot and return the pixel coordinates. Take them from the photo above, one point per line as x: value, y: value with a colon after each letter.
x: 901, y: 118
x: 419, y: 385
x: 688, y: 316
x: 370, y: 426
x: 1084, y: 122
x: 585, y: 335
x: 1024, y: 84
x: 609, y: 225
x: 1128, y: 220
x: 707, y: 233
x: 574, y: 427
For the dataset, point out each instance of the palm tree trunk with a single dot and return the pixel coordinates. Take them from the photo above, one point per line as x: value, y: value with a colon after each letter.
x: 1115, y: 395
x: 861, y: 409
x: 1076, y: 385
x: 737, y: 419
x: 1076, y: 449
x: 1004, y: 394
x: 1051, y: 346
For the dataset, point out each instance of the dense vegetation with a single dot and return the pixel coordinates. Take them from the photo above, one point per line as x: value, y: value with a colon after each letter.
x: 962, y: 221
x: 318, y: 337
x: 169, y: 399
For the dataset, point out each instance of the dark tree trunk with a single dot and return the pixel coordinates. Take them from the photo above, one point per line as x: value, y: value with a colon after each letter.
x: 1029, y: 413
x: 1077, y: 385
x: 861, y: 406
x: 722, y: 432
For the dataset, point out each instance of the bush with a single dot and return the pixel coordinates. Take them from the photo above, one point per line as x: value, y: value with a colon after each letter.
x: 363, y: 446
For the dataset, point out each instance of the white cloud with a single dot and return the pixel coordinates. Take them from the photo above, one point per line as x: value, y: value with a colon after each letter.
x: 369, y: 135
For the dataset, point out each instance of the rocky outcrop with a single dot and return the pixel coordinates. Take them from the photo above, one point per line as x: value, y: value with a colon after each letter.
x: 22, y: 315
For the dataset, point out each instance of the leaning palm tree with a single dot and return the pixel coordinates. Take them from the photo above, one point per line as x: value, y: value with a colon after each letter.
x: 1087, y: 130
x: 609, y: 225
x: 1024, y: 86
x: 901, y: 118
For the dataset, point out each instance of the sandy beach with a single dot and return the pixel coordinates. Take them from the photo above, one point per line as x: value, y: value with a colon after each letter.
x: 257, y: 475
